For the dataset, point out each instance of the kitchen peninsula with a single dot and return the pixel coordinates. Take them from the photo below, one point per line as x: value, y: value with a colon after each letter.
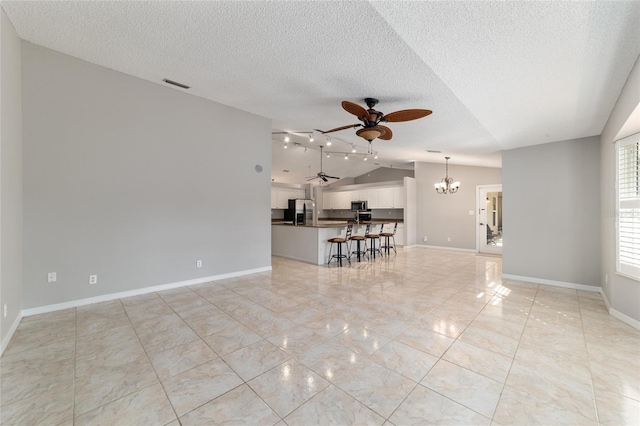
x: 308, y: 243
x: 390, y: 202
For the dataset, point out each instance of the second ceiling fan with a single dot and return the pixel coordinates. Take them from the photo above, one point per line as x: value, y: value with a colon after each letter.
x: 371, y: 119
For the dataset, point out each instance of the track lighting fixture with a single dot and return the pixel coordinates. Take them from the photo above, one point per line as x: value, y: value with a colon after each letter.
x: 285, y: 146
x: 346, y: 156
x: 328, y: 155
x: 286, y: 138
x: 366, y: 158
x: 311, y: 139
x: 353, y: 147
x: 375, y: 157
x: 328, y: 140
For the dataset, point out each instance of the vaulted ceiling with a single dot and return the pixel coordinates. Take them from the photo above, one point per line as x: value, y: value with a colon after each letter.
x: 497, y: 75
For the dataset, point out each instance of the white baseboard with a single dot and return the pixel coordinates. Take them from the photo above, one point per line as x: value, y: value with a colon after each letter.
x: 619, y: 315
x: 606, y: 301
x: 563, y: 284
x: 12, y: 330
x: 145, y: 290
x: 446, y: 248
x: 299, y: 259
x: 625, y: 318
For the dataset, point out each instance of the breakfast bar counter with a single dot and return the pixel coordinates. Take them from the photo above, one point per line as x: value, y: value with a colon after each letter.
x: 308, y: 243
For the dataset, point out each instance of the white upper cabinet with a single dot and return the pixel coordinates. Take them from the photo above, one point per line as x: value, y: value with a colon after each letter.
x: 386, y: 198
x: 373, y: 198
x: 399, y: 197
x: 344, y: 200
x: 280, y: 196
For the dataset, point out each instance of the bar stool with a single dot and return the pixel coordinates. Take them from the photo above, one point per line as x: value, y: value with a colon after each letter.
x: 358, y: 239
x: 386, y: 236
x: 340, y: 241
x: 373, y: 238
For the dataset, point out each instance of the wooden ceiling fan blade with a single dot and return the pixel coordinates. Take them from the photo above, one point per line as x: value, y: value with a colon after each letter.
x: 355, y: 109
x: 406, y: 115
x: 332, y: 177
x: 337, y: 129
x: 388, y: 134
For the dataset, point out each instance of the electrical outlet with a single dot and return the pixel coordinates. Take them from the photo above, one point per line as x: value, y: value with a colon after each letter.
x: 606, y: 278
x: 424, y: 239
x: 448, y: 238
x: 51, y: 277
x: 198, y: 263
x: 5, y: 310
x: 93, y: 279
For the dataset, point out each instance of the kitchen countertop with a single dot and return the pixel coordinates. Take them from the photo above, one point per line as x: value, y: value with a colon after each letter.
x: 335, y: 223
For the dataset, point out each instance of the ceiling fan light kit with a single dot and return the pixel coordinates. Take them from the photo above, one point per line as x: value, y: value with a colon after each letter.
x: 447, y: 185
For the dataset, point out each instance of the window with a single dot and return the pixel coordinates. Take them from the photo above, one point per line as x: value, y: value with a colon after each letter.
x: 628, y: 200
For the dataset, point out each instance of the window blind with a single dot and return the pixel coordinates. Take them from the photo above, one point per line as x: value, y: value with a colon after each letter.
x: 628, y: 198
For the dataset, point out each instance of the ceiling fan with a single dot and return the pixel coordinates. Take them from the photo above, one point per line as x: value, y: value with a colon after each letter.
x: 321, y: 175
x: 371, y: 119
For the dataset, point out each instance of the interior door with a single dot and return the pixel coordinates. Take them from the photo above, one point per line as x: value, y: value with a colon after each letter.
x: 489, y: 237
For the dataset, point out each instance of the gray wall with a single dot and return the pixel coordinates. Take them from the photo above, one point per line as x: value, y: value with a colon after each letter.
x: 134, y: 182
x: 384, y: 174
x: 623, y: 293
x: 442, y: 216
x: 551, y: 211
x: 10, y: 178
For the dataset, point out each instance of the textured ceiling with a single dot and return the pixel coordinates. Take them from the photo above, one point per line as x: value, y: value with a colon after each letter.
x: 498, y: 75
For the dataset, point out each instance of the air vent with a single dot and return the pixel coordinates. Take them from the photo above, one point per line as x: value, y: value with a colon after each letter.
x: 286, y: 171
x: 175, y: 83
x: 433, y: 151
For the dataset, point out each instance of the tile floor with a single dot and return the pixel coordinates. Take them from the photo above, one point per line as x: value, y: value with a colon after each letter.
x: 421, y: 337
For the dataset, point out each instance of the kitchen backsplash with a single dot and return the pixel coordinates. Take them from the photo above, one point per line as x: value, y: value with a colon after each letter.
x: 375, y: 214
x: 348, y: 214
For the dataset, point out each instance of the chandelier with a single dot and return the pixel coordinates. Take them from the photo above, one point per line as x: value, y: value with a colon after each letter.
x: 447, y: 184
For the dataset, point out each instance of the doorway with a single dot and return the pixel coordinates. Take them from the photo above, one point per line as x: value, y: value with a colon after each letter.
x: 489, y: 215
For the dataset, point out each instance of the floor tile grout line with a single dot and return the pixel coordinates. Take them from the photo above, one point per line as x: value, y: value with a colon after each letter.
x: 175, y: 413
x: 516, y: 351
x: 75, y: 361
x: 593, y: 390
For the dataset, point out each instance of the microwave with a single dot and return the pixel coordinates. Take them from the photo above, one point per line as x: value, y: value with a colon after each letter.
x: 358, y: 206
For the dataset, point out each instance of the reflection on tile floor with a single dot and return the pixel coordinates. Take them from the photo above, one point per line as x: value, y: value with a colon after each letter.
x: 421, y: 337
